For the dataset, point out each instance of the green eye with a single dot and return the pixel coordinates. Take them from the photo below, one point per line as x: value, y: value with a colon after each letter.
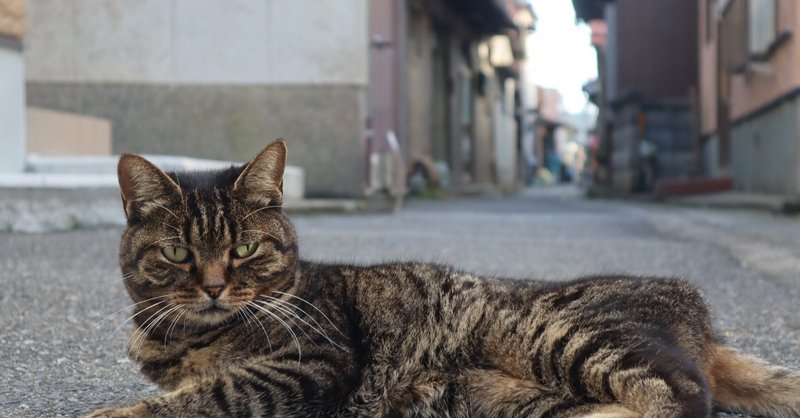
x: 245, y: 250
x: 175, y: 254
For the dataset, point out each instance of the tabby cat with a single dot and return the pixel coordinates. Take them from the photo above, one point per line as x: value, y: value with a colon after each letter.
x: 230, y: 322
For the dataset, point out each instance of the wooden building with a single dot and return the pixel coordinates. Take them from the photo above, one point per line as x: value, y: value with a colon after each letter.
x: 649, y: 76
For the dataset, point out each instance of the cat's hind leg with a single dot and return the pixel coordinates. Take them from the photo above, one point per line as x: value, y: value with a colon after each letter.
x: 658, y: 382
x: 493, y: 393
x: 599, y: 411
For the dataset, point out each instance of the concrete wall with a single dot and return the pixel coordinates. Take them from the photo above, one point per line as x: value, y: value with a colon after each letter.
x: 198, y: 41
x: 765, y: 151
x: 212, y: 78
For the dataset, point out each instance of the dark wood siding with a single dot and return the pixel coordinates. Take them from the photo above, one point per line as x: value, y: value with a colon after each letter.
x: 657, y: 47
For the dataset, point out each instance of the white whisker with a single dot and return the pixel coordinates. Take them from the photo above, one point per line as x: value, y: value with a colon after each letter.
x: 155, y: 324
x: 286, y: 313
x: 264, y: 233
x: 166, y: 209
x: 144, y: 325
x: 313, y: 306
x: 259, y: 210
x: 127, y: 307
x: 116, y: 330
x: 285, y: 325
x: 171, y: 327
x: 279, y: 300
x: 318, y: 328
x: 163, y: 239
x: 258, y: 321
x: 171, y: 226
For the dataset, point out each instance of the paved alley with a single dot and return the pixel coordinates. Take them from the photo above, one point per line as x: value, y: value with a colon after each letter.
x: 55, y: 288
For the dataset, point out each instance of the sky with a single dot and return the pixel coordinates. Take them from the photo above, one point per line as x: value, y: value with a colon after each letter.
x: 560, y: 54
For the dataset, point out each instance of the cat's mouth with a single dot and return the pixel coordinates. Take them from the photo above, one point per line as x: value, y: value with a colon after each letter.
x: 214, y: 309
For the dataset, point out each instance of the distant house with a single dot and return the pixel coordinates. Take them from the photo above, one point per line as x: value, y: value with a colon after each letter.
x: 548, y: 122
x: 750, y: 92
x: 338, y: 80
x: 647, y: 58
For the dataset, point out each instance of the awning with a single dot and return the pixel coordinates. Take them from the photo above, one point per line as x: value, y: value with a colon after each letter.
x: 485, y: 16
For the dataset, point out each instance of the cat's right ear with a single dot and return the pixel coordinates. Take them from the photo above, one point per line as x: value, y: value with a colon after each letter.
x: 261, y: 179
x: 144, y: 187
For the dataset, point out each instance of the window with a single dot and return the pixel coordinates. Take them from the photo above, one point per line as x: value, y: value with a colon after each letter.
x: 762, y: 19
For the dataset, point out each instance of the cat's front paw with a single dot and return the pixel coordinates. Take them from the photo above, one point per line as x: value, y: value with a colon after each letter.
x: 130, y: 412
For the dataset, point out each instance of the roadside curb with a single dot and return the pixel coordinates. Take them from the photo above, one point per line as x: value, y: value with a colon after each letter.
x: 42, y: 209
x: 729, y: 200
x: 739, y: 201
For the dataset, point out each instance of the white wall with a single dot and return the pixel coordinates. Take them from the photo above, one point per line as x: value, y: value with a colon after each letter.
x: 505, y: 135
x: 12, y: 111
x: 198, y: 41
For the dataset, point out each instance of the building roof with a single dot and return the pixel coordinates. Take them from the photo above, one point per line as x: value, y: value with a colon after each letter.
x: 587, y: 10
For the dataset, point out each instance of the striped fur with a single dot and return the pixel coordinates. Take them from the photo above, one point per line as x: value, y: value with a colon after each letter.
x: 291, y: 338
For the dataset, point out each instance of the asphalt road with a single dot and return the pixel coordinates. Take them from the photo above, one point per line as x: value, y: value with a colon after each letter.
x: 55, y: 360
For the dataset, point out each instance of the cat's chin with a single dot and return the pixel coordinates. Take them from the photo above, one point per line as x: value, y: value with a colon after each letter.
x: 211, y: 314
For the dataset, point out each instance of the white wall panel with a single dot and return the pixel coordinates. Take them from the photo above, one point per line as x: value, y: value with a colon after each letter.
x: 220, y: 41
x: 12, y: 111
x: 122, y: 40
x: 315, y: 41
x: 198, y: 41
x: 50, y: 40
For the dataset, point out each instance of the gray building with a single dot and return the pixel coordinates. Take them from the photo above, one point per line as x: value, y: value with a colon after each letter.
x: 219, y: 79
x: 750, y: 93
x: 210, y: 78
x: 647, y: 62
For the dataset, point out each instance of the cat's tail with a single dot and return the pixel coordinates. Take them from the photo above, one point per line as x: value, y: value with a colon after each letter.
x: 745, y: 384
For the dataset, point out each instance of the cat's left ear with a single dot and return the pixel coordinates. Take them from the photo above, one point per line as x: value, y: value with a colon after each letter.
x: 262, y: 178
x: 144, y: 187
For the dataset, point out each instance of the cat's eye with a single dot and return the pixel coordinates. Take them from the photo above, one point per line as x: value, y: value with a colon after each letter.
x: 245, y: 250
x: 175, y: 254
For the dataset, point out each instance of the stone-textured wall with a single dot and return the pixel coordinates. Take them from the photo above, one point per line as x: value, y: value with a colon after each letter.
x: 323, y: 125
x: 12, y: 18
x: 764, y: 153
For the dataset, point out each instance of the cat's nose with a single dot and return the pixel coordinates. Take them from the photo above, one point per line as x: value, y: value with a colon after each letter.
x: 213, y: 290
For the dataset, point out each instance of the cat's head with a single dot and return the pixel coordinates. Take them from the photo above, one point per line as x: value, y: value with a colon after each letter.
x: 203, y: 245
